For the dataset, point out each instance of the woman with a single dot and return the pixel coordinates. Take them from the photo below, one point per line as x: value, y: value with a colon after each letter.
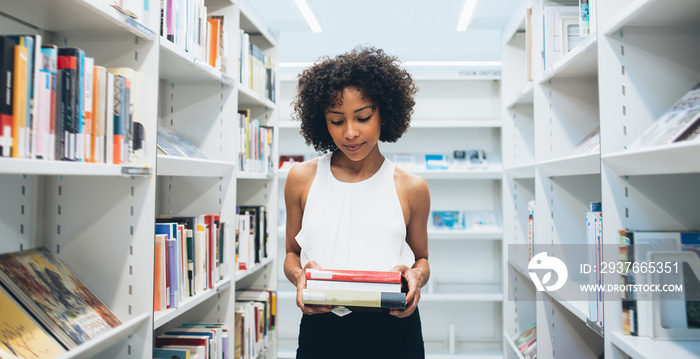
x: 352, y: 208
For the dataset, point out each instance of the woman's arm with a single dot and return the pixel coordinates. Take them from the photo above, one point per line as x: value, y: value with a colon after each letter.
x: 295, y: 190
x: 418, y: 200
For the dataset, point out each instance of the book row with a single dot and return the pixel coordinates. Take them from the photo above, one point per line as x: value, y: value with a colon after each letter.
x: 57, y: 104
x: 252, y: 236
x: 255, y: 145
x: 187, y: 24
x: 46, y: 309
x: 194, y: 340
x: 190, y: 257
x: 256, y: 69
x: 255, y: 322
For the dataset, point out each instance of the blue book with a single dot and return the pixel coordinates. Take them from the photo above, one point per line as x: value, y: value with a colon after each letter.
x: 159, y: 353
x: 436, y: 162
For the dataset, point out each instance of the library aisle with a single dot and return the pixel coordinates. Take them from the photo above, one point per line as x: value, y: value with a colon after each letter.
x: 145, y: 146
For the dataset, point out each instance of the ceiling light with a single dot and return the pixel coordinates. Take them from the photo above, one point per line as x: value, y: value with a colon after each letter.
x: 451, y: 63
x: 295, y: 64
x: 308, y: 15
x: 467, y: 13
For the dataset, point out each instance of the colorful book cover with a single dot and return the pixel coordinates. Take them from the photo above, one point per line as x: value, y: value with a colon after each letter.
x: 20, y: 335
x: 354, y: 275
x: 53, y: 294
x: 353, y: 298
x: 7, y: 66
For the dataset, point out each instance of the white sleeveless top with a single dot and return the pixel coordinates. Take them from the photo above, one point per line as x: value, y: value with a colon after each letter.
x: 354, y: 225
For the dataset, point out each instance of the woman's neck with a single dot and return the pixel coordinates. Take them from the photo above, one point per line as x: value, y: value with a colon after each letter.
x: 357, y: 170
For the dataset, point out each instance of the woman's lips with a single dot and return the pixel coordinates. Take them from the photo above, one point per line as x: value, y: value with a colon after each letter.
x: 354, y: 147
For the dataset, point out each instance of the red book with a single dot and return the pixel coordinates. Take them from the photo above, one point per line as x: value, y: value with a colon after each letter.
x: 212, y: 221
x: 354, y: 275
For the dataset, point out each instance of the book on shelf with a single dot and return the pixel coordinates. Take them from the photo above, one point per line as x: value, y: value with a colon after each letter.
x: 20, y: 107
x: 287, y: 161
x: 637, y: 306
x: 594, y: 246
x: 436, y: 162
x: 482, y: 219
x: 55, y: 296
x: 264, y: 300
x: 468, y: 159
x: 222, y: 333
x: 197, y: 345
x: 552, y: 16
x: 354, y: 298
x: 159, y: 353
x: 181, y: 143
x: 7, y: 68
x: 213, y: 336
x: 22, y: 336
x: 252, y: 326
x: 589, y: 144
x: 679, y: 123
x: 448, y: 219
x: 353, y: 275
x: 405, y: 161
x: 526, y: 342
x: 255, y: 141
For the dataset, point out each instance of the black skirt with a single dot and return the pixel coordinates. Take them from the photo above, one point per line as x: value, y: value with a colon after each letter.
x: 360, y: 334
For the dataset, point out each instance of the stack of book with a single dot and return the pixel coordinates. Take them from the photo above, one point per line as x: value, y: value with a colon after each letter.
x: 193, y: 340
x: 354, y: 288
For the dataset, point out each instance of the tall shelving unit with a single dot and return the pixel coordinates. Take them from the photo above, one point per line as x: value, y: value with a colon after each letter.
x: 465, y: 287
x: 620, y: 78
x: 99, y: 219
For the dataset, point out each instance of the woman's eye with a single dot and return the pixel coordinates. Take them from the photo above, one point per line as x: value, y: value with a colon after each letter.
x: 336, y: 122
x: 364, y: 119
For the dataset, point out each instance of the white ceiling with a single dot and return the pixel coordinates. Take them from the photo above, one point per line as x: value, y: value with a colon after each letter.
x: 413, y: 30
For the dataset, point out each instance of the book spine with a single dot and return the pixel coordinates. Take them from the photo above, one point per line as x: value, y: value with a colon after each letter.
x: 118, y: 128
x: 354, y: 275
x: 19, y: 108
x: 354, y: 298
x: 7, y: 63
x: 88, y: 109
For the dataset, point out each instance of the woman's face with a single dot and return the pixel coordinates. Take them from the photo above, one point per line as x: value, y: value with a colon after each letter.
x: 354, y: 124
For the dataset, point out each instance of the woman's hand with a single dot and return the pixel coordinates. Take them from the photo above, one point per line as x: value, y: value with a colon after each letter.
x: 301, y: 284
x: 414, y: 278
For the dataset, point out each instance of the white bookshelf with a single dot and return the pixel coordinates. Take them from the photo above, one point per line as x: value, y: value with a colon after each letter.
x: 99, y: 219
x: 66, y: 207
x: 611, y: 81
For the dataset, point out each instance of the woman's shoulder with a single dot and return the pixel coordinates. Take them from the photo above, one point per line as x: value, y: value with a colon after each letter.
x: 409, y: 182
x: 303, y: 172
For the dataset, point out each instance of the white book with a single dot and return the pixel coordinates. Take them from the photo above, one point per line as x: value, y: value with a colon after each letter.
x: 99, y: 114
x: 88, y: 82
x: 109, y: 119
x: 360, y: 286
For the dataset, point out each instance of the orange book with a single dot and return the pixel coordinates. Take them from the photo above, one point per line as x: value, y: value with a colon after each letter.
x: 19, y: 107
x: 214, y: 42
x: 159, y: 273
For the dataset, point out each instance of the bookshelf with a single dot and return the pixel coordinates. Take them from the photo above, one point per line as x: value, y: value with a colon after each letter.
x: 609, y: 80
x: 99, y: 218
x: 450, y: 114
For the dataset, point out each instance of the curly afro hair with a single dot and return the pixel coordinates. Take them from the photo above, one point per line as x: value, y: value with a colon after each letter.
x: 374, y: 73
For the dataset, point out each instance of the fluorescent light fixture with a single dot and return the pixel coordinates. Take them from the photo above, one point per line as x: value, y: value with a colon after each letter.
x: 295, y: 64
x: 451, y: 63
x: 308, y: 15
x: 467, y: 13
